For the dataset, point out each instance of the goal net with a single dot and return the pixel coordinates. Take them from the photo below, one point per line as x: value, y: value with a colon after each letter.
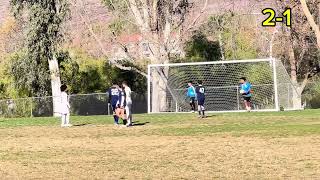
x: 271, y: 85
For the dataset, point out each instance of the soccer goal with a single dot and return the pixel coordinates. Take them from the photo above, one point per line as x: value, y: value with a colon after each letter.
x: 271, y: 85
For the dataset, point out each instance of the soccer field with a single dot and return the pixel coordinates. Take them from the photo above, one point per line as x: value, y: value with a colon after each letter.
x: 280, y: 145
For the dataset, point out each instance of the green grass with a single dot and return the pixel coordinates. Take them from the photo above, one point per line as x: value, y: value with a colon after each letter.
x: 273, y: 124
x: 273, y: 145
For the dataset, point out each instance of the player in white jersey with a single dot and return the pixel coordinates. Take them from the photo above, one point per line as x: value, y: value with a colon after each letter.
x: 64, y: 107
x: 128, y: 107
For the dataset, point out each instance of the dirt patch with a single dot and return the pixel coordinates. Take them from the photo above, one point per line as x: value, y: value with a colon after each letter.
x: 97, y: 153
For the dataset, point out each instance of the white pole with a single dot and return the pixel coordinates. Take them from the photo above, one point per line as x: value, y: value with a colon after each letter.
x: 238, y: 99
x: 108, y: 108
x: 276, y: 98
x: 31, y: 108
x: 149, y: 89
x: 177, y: 109
x: 288, y: 105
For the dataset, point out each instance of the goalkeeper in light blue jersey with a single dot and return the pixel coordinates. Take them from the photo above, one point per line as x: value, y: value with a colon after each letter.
x: 246, y: 92
x: 191, y: 94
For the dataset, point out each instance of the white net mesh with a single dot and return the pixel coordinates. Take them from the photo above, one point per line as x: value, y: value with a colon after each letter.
x: 289, y: 99
x: 168, y: 85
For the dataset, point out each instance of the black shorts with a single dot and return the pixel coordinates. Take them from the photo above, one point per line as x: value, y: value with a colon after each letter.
x: 248, y: 99
x: 192, y: 99
x: 201, y: 101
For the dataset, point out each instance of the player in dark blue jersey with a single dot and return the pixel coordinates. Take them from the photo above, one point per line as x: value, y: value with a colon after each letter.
x: 200, y: 90
x: 114, y: 94
x: 121, y: 104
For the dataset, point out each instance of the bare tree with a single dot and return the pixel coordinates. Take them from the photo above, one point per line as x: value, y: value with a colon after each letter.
x: 11, y: 36
x: 311, y: 19
x: 163, y: 24
x: 301, y: 48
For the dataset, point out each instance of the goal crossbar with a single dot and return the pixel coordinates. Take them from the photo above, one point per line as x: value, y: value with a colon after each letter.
x: 211, y: 62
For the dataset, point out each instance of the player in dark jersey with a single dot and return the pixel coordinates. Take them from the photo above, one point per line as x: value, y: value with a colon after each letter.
x: 200, y: 90
x: 121, y: 104
x: 114, y: 94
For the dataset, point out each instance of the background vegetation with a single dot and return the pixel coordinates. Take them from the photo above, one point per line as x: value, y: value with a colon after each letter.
x: 84, y: 37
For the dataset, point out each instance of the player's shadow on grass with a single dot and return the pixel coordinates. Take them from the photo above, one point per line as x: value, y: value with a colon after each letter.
x: 136, y: 123
x: 83, y: 124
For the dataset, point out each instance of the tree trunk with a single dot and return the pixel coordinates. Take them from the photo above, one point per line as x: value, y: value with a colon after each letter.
x: 296, y: 99
x: 55, y: 84
x: 159, y: 91
x: 159, y: 79
x: 296, y: 92
x: 221, y: 47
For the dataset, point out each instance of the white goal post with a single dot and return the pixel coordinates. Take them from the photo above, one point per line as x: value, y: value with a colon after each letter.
x: 271, y: 85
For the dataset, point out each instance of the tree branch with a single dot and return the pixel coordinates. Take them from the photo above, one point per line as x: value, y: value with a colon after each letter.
x: 137, y: 14
x: 123, y: 47
x: 304, y: 83
x: 311, y: 20
x: 167, y: 27
x: 191, y: 26
x: 104, y: 51
x: 145, y: 10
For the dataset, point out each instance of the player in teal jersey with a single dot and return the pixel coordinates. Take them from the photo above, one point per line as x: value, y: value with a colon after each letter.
x: 191, y: 94
x: 245, y: 91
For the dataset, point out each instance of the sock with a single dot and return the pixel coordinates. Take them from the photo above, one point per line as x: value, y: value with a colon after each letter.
x: 202, y: 112
x: 116, y: 119
x: 199, y: 113
x: 192, y: 108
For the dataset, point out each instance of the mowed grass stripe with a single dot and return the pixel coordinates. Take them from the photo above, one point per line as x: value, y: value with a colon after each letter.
x: 294, y: 123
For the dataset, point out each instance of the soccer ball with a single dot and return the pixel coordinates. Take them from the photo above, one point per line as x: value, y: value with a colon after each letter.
x: 241, y: 91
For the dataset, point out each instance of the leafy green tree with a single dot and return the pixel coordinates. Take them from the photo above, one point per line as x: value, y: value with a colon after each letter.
x: 234, y: 34
x: 44, y: 23
x: 86, y: 74
x: 29, y: 77
x: 199, y: 48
